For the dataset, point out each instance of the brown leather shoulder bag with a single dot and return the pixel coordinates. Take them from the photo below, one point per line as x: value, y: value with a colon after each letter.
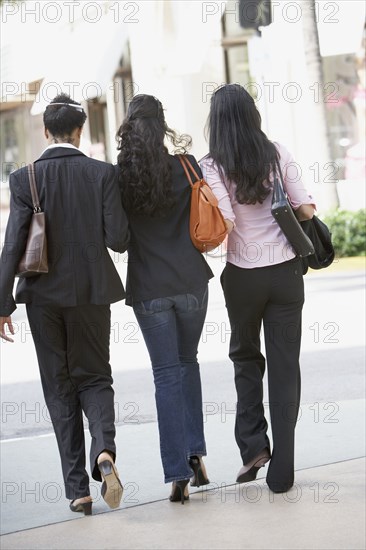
x: 207, y: 226
x: 34, y: 260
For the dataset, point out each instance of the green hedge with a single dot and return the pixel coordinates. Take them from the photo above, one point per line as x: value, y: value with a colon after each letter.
x: 348, y: 231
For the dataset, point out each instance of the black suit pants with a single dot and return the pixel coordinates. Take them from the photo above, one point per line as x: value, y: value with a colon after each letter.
x: 272, y: 296
x: 72, y: 346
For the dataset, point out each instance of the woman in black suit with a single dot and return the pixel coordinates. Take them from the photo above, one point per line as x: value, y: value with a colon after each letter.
x: 69, y: 307
x: 167, y: 284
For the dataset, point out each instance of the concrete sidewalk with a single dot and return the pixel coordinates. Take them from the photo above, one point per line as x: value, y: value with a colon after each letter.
x: 324, y: 510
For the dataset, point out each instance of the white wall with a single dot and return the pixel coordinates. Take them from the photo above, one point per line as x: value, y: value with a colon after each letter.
x: 175, y: 55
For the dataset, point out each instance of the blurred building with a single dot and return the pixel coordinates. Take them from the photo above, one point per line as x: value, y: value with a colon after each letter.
x: 105, y: 52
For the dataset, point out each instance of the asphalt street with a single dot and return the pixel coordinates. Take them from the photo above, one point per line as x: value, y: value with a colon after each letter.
x: 332, y: 358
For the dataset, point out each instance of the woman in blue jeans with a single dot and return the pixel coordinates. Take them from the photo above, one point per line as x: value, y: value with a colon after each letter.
x: 167, y: 284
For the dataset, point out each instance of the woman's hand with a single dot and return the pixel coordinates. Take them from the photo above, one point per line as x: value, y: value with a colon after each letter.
x: 6, y: 321
x: 305, y: 212
x: 229, y: 225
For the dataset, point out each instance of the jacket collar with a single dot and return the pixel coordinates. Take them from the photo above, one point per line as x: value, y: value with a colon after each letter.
x: 58, y: 152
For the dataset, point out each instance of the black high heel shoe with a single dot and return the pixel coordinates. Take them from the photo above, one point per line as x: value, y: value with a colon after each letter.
x: 85, y: 507
x: 179, y: 491
x: 249, y: 471
x: 200, y: 475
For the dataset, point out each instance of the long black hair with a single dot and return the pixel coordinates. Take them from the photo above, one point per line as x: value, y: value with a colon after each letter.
x: 145, y: 170
x: 237, y: 144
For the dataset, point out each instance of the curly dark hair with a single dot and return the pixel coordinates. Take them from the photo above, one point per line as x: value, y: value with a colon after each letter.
x: 237, y: 144
x: 63, y: 115
x: 145, y: 171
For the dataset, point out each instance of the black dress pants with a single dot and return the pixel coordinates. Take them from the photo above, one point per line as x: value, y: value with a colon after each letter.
x: 72, y: 346
x: 274, y: 296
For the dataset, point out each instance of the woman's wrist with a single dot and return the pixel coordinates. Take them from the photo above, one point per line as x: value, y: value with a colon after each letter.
x: 229, y: 225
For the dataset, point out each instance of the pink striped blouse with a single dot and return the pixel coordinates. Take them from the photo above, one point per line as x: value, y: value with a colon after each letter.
x: 256, y: 240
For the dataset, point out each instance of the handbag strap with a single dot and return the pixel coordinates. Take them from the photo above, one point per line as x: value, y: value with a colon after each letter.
x: 186, y: 164
x: 281, y: 176
x: 33, y: 188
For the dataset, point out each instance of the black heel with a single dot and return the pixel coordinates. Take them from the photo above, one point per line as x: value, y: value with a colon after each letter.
x: 249, y: 471
x: 200, y: 476
x: 179, y: 492
x: 85, y: 507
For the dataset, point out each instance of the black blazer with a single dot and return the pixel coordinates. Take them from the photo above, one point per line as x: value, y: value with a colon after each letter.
x: 84, y: 216
x: 162, y: 260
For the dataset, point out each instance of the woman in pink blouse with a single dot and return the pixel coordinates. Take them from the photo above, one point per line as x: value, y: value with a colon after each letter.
x: 262, y: 281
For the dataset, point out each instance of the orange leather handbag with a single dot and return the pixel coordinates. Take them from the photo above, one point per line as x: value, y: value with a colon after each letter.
x: 207, y: 226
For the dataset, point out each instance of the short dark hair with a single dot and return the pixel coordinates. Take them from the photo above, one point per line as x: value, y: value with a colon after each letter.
x: 61, y: 117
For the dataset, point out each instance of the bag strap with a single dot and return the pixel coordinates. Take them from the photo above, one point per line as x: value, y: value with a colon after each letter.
x: 33, y: 188
x: 279, y: 170
x: 186, y: 164
x: 281, y: 176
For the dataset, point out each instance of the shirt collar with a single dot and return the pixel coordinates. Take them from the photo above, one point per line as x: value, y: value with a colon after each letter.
x: 54, y: 145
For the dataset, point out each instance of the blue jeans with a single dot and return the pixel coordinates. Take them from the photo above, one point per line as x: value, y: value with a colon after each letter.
x: 172, y: 328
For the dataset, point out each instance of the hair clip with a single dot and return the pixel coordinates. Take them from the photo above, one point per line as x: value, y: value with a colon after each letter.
x: 77, y: 107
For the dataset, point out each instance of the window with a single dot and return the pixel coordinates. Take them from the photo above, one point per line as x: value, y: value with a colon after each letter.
x: 235, y: 44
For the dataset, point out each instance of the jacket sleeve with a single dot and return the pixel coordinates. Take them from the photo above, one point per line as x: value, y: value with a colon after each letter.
x: 116, y: 233
x: 15, y: 241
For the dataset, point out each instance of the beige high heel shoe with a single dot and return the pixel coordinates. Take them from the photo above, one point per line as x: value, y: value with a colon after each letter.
x: 112, y: 489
